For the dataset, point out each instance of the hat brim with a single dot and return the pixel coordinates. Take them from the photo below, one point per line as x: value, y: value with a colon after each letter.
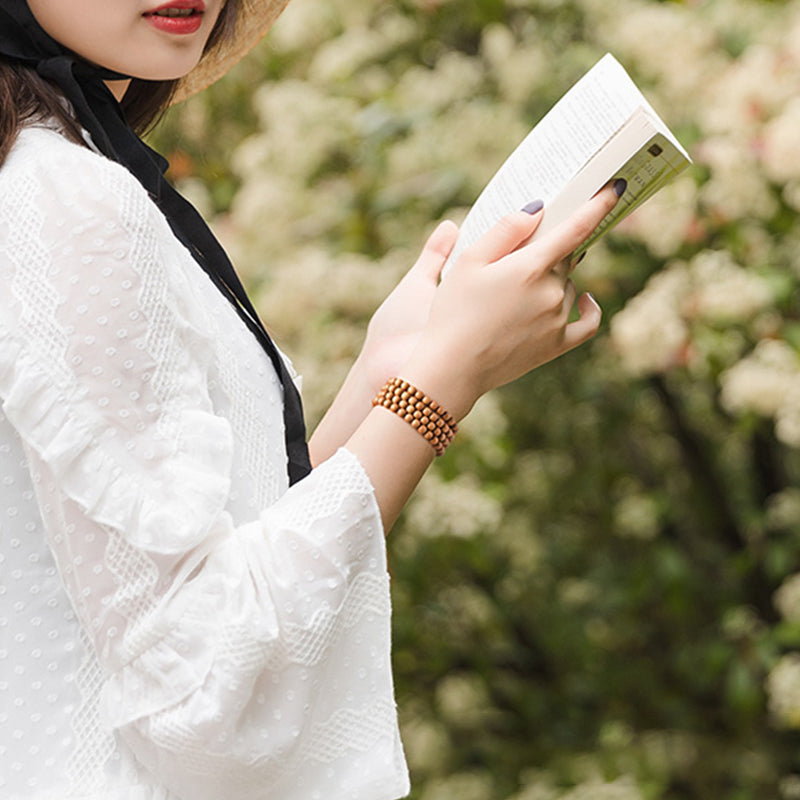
x: 255, y: 19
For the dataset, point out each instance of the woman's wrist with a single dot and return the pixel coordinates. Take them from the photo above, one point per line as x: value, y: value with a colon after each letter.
x: 443, y: 380
x: 352, y: 404
x: 427, y: 417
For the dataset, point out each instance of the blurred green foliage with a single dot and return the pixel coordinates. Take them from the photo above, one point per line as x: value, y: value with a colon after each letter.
x: 595, y: 591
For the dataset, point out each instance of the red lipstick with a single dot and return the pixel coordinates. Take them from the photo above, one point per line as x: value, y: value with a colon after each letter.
x: 177, y: 16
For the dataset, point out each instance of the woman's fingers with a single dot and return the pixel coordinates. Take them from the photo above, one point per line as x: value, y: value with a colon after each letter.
x: 562, y: 270
x: 587, y: 324
x: 441, y: 241
x: 570, y: 234
x: 570, y: 293
x: 504, y: 237
x: 507, y: 238
x: 436, y: 250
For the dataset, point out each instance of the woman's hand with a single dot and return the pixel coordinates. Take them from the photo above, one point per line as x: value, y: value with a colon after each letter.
x: 502, y: 310
x: 504, y: 307
x: 394, y: 330
x: 392, y: 335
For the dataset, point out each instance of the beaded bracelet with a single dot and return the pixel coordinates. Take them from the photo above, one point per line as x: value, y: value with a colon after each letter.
x: 426, y: 416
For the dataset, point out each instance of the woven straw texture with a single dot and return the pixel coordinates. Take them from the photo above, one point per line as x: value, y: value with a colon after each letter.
x: 255, y: 19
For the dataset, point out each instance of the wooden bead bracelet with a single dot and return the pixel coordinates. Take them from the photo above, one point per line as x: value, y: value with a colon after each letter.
x: 426, y: 416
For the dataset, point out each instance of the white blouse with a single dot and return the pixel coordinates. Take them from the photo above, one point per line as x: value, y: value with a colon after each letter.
x: 174, y: 621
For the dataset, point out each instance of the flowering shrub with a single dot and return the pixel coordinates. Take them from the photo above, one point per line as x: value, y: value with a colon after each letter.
x: 596, y: 590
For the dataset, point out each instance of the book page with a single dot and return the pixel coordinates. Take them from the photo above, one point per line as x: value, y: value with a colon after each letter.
x: 569, y: 135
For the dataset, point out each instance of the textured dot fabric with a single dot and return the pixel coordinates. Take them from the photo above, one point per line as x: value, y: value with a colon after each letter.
x: 175, y: 621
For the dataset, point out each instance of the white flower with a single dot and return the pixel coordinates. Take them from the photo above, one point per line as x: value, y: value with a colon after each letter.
x: 519, y: 69
x: 456, y: 77
x: 636, y: 516
x: 747, y: 92
x: 426, y: 745
x: 787, y: 417
x: 650, y: 333
x: 780, y: 144
x: 577, y: 592
x: 787, y: 598
x: 763, y: 381
x: 621, y: 789
x: 472, y: 139
x: 686, y: 54
x: 724, y: 291
x: 664, y: 222
x: 790, y: 787
x: 737, y: 187
x: 341, y: 57
x: 783, y: 509
x: 790, y: 50
x: 467, y: 607
x: 783, y: 688
x: 303, y: 126
x: 456, y: 508
x: 304, y: 25
x: 462, y: 698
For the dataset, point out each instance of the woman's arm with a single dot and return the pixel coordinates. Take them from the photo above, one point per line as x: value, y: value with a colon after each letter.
x: 392, y: 335
x: 502, y: 311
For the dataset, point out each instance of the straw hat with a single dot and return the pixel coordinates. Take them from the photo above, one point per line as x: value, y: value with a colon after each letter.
x: 255, y: 18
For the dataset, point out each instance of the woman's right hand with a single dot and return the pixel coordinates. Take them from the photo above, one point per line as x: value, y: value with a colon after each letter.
x: 504, y: 307
x: 501, y: 310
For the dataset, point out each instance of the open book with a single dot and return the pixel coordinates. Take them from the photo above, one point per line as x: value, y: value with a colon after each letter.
x: 601, y: 129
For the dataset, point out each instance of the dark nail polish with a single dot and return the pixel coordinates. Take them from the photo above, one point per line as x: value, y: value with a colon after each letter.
x: 620, y: 185
x: 534, y: 207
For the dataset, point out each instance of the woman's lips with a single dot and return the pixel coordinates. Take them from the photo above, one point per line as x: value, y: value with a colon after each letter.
x: 179, y: 17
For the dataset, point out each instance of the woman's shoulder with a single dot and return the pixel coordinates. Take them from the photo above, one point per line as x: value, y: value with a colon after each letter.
x: 51, y: 183
x: 46, y: 158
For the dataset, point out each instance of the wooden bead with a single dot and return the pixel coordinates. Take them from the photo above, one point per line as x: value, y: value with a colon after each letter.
x: 425, y: 415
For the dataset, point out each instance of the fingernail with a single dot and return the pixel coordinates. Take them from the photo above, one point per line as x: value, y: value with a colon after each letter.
x: 534, y: 207
x: 594, y: 301
x: 620, y: 185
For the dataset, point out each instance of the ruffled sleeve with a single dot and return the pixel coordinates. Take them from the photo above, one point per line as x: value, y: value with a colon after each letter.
x: 241, y: 658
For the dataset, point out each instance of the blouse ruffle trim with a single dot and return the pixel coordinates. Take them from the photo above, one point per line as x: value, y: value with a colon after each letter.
x: 141, y: 506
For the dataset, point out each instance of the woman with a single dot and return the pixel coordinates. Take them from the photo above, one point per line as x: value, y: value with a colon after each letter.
x: 186, y: 611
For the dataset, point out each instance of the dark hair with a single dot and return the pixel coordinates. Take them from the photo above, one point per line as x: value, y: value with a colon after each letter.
x: 27, y: 97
